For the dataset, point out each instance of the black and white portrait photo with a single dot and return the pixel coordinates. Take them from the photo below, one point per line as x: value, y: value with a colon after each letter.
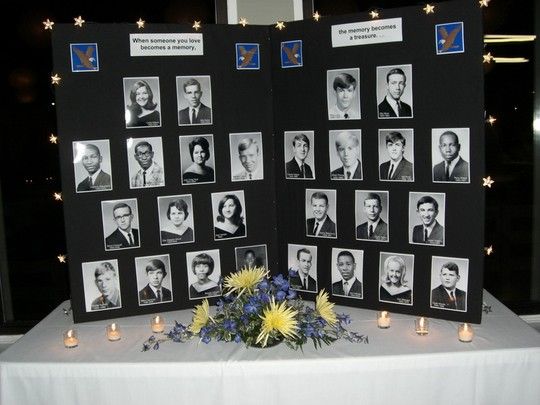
x: 347, y: 273
x: 345, y: 153
x: 197, y: 159
x: 372, y: 215
x: 101, y: 285
x: 204, y: 274
x: 449, y: 280
x: 396, y: 271
x: 394, y: 91
x: 120, y: 224
x: 246, y: 150
x: 142, y: 102
x: 396, y: 155
x: 450, y: 155
x: 299, y: 155
x: 145, y: 162
x: 92, y: 166
x: 154, y: 279
x: 176, y: 219
x: 343, y: 94
x: 321, y: 213
x: 426, y: 218
x: 194, y: 96
x: 251, y: 256
x: 230, y: 217
x: 302, y: 261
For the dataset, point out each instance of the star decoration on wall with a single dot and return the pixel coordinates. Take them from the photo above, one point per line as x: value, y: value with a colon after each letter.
x: 487, y: 181
x: 196, y: 25
x: 429, y: 9
x: 55, y: 79
x: 316, y: 16
x: 487, y: 57
x: 243, y: 21
x: 57, y: 196
x: 489, y: 250
x: 53, y: 139
x: 78, y: 21
x: 280, y: 25
x: 48, y: 24
x: 484, y: 3
x: 374, y: 14
x: 491, y: 120
x: 61, y: 258
x: 140, y: 23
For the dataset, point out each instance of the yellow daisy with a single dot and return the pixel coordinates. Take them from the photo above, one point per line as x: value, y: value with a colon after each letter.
x: 325, y: 308
x: 244, y: 280
x: 201, y: 315
x: 280, y: 318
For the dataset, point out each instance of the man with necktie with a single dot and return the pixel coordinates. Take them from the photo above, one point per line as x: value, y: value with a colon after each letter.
x: 154, y: 292
x: 349, y: 285
x: 300, y: 279
x: 250, y: 157
x: 430, y: 232
x: 124, y: 236
x: 453, y: 168
x: 392, y: 106
x: 196, y: 113
x: 320, y: 225
x: 348, y: 150
x: 374, y: 229
x: 397, y: 168
x: 97, y: 179
x: 446, y: 295
x: 347, y: 106
x: 150, y: 174
x: 297, y: 168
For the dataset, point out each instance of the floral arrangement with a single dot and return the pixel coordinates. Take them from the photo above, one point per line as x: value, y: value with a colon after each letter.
x: 262, y: 311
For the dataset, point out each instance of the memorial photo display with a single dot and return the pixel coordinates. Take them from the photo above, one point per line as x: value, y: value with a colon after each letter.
x: 309, y: 150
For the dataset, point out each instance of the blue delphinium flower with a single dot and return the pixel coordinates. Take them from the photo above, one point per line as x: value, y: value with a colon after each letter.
x: 229, y: 325
x: 263, y: 285
x: 206, y: 339
x: 291, y: 295
x: 249, y: 308
x: 343, y: 318
x: 238, y: 338
x: 281, y: 295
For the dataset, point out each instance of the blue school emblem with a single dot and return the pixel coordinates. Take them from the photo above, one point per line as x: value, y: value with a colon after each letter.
x: 84, y: 57
x: 291, y: 54
x: 449, y: 38
x: 247, y: 56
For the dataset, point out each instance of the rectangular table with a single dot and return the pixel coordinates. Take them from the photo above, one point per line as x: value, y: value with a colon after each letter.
x: 500, y: 366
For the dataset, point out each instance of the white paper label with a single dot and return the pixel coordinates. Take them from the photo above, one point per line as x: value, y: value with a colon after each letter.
x: 166, y: 44
x: 367, y: 32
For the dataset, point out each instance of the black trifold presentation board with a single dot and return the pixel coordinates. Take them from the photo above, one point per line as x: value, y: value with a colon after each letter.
x: 285, y: 90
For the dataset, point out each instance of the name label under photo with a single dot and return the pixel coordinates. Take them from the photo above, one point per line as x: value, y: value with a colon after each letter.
x: 166, y: 44
x: 367, y: 32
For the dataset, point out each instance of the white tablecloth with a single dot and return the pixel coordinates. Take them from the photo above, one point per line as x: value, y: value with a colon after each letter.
x: 500, y: 366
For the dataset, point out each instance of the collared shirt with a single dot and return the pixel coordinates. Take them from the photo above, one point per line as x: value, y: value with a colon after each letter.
x: 196, y: 109
x: 126, y: 235
x: 393, y: 104
x: 154, y: 177
x: 94, y: 176
x: 453, y: 291
x: 244, y: 174
x: 374, y: 223
x: 336, y: 114
x: 155, y: 290
x: 393, y: 166
x: 451, y: 165
x: 347, y: 288
x: 430, y: 228
x: 351, y: 170
x: 319, y: 225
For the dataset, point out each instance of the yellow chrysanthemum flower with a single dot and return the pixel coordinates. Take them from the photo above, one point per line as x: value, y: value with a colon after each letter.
x: 325, y: 308
x: 244, y: 280
x: 201, y: 315
x: 280, y: 318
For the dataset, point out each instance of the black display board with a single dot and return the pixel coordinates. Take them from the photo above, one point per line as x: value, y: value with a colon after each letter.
x: 270, y: 85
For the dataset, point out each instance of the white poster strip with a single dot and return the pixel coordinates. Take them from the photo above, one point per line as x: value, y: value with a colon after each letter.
x: 166, y: 44
x: 367, y: 32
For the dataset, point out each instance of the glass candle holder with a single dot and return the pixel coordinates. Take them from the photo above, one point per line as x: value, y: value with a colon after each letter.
x: 465, y: 333
x: 383, y: 319
x: 113, y: 332
x: 421, y: 326
x: 70, y: 339
x: 158, y: 324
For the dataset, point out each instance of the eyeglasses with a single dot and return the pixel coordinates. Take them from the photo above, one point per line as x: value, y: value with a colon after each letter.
x: 125, y: 216
x: 144, y: 154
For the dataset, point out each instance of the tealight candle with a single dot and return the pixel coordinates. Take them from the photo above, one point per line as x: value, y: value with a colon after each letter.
x: 465, y: 333
x: 158, y: 324
x: 383, y: 319
x: 421, y: 326
x: 70, y: 339
x: 113, y: 332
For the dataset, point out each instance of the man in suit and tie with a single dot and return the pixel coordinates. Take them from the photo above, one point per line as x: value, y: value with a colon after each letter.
x: 397, y: 168
x: 154, y: 292
x: 345, y: 91
x: 106, y: 281
x: 430, y: 232
x: 297, y: 168
x: 150, y: 174
x: 374, y: 229
x: 250, y: 157
x: 348, y: 150
x: 320, y: 225
x: 196, y: 113
x: 97, y: 179
x: 392, y: 106
x: 300, y: 279
x: 124, y: 236
x: 446, y: 295
x: 453, y: 167
x: 349, y: 286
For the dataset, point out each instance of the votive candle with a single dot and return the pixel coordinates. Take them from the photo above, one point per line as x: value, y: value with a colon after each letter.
x: 421, y: 326
x: 383, y: 319
x: 70, y: 339
x: 158, y: 324
x: 113, y: 332
x: 465, y: 333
